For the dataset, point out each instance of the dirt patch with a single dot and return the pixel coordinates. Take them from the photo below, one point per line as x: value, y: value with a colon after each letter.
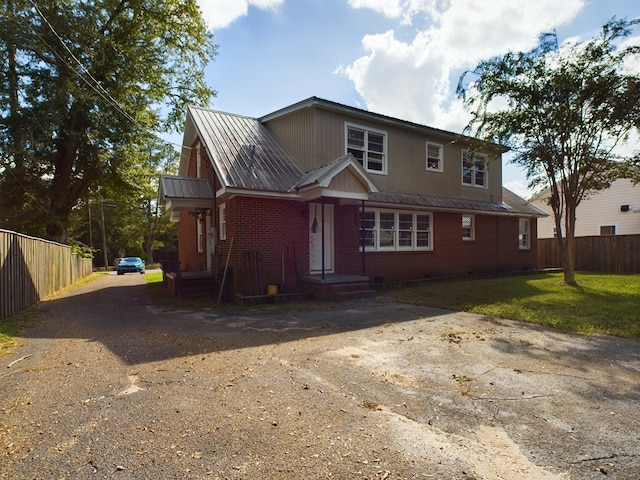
x: 111, y: 386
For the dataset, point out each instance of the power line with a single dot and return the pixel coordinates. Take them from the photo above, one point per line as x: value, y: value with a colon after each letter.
x: 97, y: 88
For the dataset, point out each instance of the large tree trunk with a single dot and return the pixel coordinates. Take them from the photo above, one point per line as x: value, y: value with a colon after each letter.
x: 569, y: 259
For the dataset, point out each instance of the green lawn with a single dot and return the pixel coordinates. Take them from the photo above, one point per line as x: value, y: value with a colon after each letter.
x: 600, y: 304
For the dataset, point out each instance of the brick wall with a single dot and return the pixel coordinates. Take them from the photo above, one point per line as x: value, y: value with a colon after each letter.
x: 266, y: 234
x: 494, y: 249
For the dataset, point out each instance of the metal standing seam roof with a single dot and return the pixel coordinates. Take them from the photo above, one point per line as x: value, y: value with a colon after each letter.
x: 244, y: 152
x: 516, y: 205
x: 174, y: 186
x: 246, y: 155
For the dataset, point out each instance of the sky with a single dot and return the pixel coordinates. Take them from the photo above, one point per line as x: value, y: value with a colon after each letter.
x: 400, y: 58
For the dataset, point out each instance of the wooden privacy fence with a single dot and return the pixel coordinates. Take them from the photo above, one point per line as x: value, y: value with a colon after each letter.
x: 611, y: 254
x: 32, y: 268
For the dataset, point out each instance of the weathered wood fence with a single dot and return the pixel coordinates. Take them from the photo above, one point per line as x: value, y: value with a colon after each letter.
x: 32, y: 268
x: 611, y: 254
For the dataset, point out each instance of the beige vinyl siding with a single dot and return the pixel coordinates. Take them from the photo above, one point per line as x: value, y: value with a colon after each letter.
x: 296, y: 132
x: 347, y: 182
x: 600, y: 209
x: 316, y: 136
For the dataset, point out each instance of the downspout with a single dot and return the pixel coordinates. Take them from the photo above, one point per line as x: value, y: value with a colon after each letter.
x: 322, y: 234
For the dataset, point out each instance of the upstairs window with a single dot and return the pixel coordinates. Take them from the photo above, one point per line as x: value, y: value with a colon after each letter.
x: 369, y: 147
x: 524, y: 235
x: 474, y: 169
x: 434, y: 157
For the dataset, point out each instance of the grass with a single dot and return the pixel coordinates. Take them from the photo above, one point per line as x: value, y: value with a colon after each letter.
x: 12, y: 327
x: 600, y: 304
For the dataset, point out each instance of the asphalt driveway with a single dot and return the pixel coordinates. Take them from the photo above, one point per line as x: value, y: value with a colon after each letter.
x: 110, y: 385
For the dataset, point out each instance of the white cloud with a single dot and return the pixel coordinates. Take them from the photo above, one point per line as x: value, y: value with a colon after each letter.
x: 221, y: 13
x: 415, y: 80
x: 388, y: 8
x: 404, y: 9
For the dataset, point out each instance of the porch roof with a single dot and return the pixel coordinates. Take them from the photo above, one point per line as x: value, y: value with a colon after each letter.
x: 323, y: 178
x: 185, y: 193
x: 511, y: 203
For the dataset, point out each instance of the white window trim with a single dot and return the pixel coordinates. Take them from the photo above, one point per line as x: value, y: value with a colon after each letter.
x: 473, y: 228
x: 222, y: 221
x: 198, y: 161
x: 385, y: 152
x: 440, y: 159
x: 200, y: 233
x: 527, y: 221
x: 485, y: 158
x: 396, y: 247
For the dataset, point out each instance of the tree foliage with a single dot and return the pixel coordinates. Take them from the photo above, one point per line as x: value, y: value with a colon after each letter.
x: 83, y: 86
x: 563, y: 111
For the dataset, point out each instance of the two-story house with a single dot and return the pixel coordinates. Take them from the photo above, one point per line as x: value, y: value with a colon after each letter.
x: 607, y: 212
x: 319, y: 193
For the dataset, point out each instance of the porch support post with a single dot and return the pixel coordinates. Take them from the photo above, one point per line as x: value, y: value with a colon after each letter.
x: 362, y: 238
x: 322, y: 233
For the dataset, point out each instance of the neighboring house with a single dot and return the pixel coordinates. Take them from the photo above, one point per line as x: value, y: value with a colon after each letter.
x: 614, y: 211
x: 319, y: 193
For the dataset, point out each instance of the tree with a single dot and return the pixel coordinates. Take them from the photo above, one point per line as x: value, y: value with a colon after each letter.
x: 562, y: 111
x: 133, y: 224
x: 81, y: 84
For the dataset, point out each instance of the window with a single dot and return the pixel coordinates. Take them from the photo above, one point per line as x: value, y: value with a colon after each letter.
x: 368, y: 147
x: 607, y: 230
x: 222, y: 210
x: 200, y: 233
x: 369, y: 230
x: 387, y: 230
x: 474, y: 169
x: 524, y: 235
x: 468, y: 229
x: 198, y: 162
x: 434, y: 157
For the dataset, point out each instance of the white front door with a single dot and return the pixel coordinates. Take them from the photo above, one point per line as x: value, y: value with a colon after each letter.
x: 316, y: 232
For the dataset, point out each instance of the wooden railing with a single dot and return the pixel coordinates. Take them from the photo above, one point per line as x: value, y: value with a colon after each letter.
x: 32, y: 268
x: 611, y: 253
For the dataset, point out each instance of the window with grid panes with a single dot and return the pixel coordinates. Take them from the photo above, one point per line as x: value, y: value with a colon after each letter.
x: 368, y: 147
x: 423, y: 231
x: 369, y: 229
x: 524, y: 237
x: 393, y: 230
x: 434, y: 157
x: 467, y: 227
x: 405, y: 230
x: 474, y: 169
x: 387, y: 230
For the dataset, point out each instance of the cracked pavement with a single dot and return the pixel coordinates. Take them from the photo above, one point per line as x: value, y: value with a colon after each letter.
x: 111, y: 385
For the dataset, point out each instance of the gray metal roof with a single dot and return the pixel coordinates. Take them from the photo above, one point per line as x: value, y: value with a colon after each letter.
x: 521, y: 205
x: 173, y: 186
x: 512, y: 204
x: 325, y: 173
x: 244, y: 152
